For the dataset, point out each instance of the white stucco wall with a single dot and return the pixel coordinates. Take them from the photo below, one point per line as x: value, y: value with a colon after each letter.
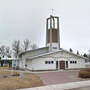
x: 29, y: 64
x: 63, y: 56
x: 80, y: 63
x: 22, y: 63
x: 55, y: 46
x: 39, y: 62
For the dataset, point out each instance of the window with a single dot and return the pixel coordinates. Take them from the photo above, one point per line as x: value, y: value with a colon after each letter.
x: 25, y: 65
x: 46, y: 62
x: 54, y: 47
x: 66, y: 64
x: 49, y: 62
x: 73, y: 62
x: 70, y: 61
x: 52, y: 62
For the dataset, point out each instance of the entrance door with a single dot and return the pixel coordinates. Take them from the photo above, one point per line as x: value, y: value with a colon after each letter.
x: 62, y: 64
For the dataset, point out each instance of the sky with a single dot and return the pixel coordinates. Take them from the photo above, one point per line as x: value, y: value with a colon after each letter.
x: 26, y: 19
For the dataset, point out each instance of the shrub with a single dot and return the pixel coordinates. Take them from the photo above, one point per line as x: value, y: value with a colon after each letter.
x: 85, y: 73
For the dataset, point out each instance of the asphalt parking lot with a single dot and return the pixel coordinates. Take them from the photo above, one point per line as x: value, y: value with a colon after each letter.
x: 58, y: 77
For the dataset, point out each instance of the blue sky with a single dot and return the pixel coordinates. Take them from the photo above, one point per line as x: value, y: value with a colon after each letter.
x: 25, y: 19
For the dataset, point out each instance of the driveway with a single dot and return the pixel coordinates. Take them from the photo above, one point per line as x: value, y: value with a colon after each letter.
x: 57, y: 77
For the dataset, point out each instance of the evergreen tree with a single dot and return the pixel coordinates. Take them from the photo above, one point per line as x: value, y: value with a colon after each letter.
x: 71, y: 50
x: 85, y: 55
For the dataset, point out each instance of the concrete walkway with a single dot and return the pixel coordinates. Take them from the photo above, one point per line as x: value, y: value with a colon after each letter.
x: 85, y: 88
x: 65, y: 86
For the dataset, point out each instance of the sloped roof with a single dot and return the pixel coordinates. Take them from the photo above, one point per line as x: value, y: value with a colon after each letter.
x: 56, y: 52
x: 7, y: 58
x: 33, y: 50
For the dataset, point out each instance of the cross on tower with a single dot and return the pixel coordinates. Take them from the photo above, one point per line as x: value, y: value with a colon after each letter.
x: 52, y: 11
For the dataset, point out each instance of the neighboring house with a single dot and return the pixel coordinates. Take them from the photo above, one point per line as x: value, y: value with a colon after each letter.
x: 9, y: 62
x: 6, y: 61
x: 51, y: 57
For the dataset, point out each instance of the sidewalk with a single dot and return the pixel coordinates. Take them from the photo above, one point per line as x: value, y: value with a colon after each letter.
x: 65, y: 86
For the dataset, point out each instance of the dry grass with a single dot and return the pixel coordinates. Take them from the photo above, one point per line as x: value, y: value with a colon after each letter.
x: 30, y: 80
x: 4, y: 68
x: 6, y: 73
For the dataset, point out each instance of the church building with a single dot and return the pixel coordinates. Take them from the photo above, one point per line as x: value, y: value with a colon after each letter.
x: 51, y: 57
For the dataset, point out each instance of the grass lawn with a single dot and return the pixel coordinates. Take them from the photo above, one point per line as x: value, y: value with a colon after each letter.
x: 27, y: 81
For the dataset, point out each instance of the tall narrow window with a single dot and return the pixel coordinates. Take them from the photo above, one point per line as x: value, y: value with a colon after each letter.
x: 56, y: 64
x: 66, y: 64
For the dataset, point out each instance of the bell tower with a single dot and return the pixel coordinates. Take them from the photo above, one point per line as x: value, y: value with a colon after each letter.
x: 52, y: 33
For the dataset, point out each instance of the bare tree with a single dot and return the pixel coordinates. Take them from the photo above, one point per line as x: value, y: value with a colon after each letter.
x: 5, y: 51
x: 34, y: 46
x: 2, y: 51
x: 8, y: 51
x: 16, y: 48
x: 26, y: 45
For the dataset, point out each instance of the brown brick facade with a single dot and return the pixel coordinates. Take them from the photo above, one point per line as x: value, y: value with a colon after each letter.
x: 54, y: 36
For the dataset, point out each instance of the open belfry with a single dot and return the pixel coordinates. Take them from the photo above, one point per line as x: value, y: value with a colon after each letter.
x: 52, y: 33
